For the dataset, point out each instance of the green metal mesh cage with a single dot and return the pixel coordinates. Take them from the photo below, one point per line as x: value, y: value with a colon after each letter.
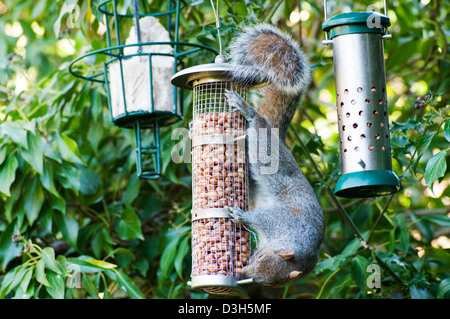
x: 143, y: 52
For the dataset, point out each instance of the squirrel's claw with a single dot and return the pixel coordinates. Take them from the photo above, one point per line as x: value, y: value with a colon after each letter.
x: 239, y: 105
x: 237, y: 214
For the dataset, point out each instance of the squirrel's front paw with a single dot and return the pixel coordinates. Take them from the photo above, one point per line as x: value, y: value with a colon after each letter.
x: 239, y: 105
x: 237, y: 214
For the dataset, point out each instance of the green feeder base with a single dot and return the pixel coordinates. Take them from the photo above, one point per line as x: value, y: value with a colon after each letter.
x: 368, y: 184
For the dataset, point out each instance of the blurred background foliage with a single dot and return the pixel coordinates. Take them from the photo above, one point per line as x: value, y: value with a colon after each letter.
x: 76, y: 222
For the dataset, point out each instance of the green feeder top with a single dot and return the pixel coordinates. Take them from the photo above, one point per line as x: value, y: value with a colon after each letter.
x: 356, y: 22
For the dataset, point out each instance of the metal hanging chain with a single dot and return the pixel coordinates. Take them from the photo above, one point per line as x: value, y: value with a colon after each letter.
x: 216, y: 15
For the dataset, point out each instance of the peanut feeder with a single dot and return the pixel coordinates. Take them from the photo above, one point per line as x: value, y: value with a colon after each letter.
x: 220, y: 247
x: 357, y: 39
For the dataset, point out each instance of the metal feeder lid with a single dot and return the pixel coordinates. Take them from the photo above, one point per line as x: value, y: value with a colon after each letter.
x: 368, y: 184
x: 356, y: 22
x: 186, y: 78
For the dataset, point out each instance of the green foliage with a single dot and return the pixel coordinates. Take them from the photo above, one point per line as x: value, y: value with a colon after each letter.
x: 76, y: 222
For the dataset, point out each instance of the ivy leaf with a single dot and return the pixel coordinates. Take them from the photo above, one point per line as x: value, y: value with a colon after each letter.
x: 56, y: 288
x: 401, y: 224
x: 441, y: 220
x: 68, y: 149
x: 35, y: 153
x: 331, y: 264
x: 34, y: 199
x: 86, y: 265
x: 8, y: 174
x: 68, y: 227
x: 90, y: 181
x: 8, y: 249
x: 125, y: 283
x: 425, y: 143
x: 48, y: 256
x: 435, y: 168
x: 26, y: 279
x: 3, y: 153
x: 447, y: 130
x: 183, y: 250
x: 40, y: 273
x: 444, y: 288
x: 358, y: 271
x: 15, y: 132
x: 419, y: 293
x: 101, y: 264
x: 129, y: 225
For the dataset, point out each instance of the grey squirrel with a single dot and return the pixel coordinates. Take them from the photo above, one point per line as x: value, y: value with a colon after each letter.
x: 284, y: 210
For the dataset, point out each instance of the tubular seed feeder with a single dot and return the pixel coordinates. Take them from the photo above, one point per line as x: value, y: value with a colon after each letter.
x: 137, y: 74
x: 220, y: 247
x: 361, y: 99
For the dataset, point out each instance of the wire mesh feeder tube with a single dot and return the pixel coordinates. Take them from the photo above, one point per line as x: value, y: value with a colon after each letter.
x: 361, y: 98
x: 220, y: 179
x: 220, y: 247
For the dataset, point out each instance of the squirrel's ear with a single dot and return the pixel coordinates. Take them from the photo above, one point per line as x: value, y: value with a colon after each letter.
x: 287, y: 254
x: 294, y: 274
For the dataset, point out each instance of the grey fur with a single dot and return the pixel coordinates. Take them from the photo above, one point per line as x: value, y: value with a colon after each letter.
x: 251, y: 68
x: 284, y: 210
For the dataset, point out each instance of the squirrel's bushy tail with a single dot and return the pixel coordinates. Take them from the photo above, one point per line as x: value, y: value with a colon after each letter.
x: 264, y: 53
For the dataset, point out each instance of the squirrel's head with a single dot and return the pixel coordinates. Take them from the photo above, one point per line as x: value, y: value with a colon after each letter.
x: 272, y: 268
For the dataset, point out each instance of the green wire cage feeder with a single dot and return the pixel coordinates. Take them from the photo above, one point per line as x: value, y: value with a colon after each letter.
x: 361, y: 102
x: 143, y: 52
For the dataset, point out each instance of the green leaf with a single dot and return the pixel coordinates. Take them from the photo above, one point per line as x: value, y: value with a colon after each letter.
x: 125, y: 283
x: 9, y: 279
x: 47, y: 179
x: 68, y: 149
x: 425, y: 143
x: 101, y: 263
x: 90, y: 287
x: 56, y: 288
x: 40, y: 273
x: 352, y: 247
x: 85, y: 264
x: 132, y: 190
x: 8, y: 249
x: 183, y: 250
x: 241, y: 8
x: 8, y: 174
x: 444, y: 288
x: 358, y: 271
x: 26, y: 279
x: 441, y: 220
x: 15, y: 132
x: 48, y: 256
x: 168, y: 257
x: 3, y: 152
x: 68, y: 176
x: 129, y: 225
x: 34, y: 199
x: 435, y: 168
x: 447, y: 130
x: 68, y: 226
x: 419, y: 293
x: 402, y: 226
x: 101, y: 241
x: 90, y: 181
x: 35, y: 153
x: 331, y: 263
